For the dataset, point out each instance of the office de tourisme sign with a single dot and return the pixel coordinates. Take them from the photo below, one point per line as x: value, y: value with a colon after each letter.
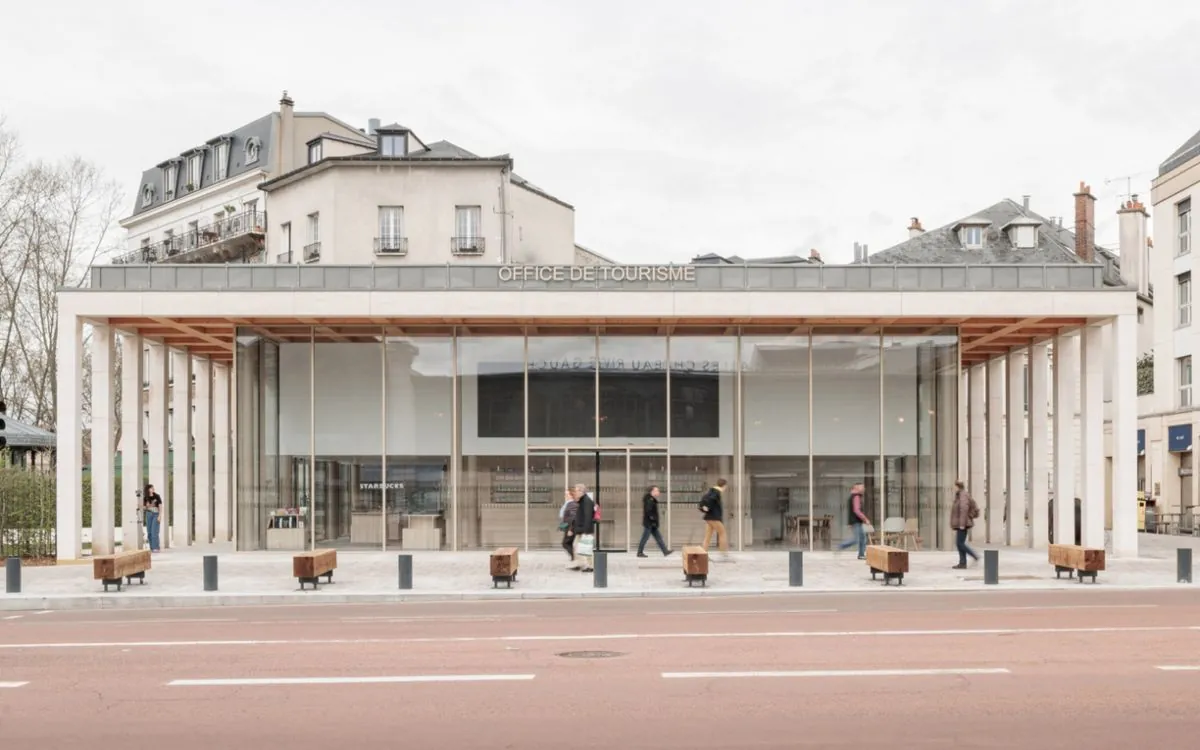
x: 597, y: 273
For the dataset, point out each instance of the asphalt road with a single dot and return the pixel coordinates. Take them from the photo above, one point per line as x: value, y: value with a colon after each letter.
x: 1038, y: 670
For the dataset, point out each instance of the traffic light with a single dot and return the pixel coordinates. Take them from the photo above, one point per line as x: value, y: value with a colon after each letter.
x: 3, y: 425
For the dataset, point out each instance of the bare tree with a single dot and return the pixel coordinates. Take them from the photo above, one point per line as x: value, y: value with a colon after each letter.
x: 55, y: 220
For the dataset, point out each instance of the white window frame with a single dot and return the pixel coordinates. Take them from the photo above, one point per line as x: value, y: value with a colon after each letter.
x: 388, y: 142
x: 195, y: 170
x: 467, y: 221
x: 1183, y: 227
x: 1183, y: 376
x: 972, y: 237
x: 391, y: 228
x: 314, y: 152
x: 220, y: 161
x: 313, y: 230
x: 170, y: 180
x: 1183, y: 300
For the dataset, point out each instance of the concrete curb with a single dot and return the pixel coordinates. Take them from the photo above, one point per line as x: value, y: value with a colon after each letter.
x: 136, y: 600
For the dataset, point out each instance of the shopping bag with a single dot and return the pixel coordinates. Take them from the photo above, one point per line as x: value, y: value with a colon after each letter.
x: 586, y: 545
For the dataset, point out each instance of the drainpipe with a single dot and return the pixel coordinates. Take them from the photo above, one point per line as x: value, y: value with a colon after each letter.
x: 504, y: 174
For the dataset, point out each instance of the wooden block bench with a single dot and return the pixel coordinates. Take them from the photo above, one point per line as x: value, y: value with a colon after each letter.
x: 307, y: 567
x: 504, y: 565
x: 695, y: 565
x: 111, y: 569
x: 1073, y: 559
x: 892, y: 562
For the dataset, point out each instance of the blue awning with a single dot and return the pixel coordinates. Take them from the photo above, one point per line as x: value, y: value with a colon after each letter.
x: 1141, y: 442
x: 1179, y: 438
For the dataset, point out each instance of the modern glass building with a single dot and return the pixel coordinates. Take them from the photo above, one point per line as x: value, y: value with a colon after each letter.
x: 449, y: 407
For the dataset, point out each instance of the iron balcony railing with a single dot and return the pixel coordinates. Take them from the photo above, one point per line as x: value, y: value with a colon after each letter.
x: 699, y: 278
x: 247, y: 223
x: 467, y: 245
x: 312, y: 252
x: 391, y: 245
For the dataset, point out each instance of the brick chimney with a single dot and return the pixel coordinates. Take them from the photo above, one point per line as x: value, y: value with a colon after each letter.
x: 815, y: 256
x: 1135, y: 253
x: 915, y: 229
x: 1085, y: 223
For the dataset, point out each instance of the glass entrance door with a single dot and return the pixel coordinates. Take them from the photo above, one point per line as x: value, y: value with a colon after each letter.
x: 615, y: 478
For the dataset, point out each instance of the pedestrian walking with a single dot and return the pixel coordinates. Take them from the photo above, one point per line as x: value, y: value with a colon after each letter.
x: 650, y: 523
x: 714, y: 517
x: 859, y: 523
x: 585, y: 529
x: 962, y: 517
x: 566, y: 525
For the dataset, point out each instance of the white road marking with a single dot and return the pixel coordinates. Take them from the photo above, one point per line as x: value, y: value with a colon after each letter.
x: 834, y: 673
x: 716, y: 612
x: 584, y: 637
x: 1063, y: 606
x: 432, y: 618
x: 147, y: 620
x: 352, y: 680
x: 44, y: 612
x: 1180, y: 668
x: 14, y: 617
x: 12, y: 684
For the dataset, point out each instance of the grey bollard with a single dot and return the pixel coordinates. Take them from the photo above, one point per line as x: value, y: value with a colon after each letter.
x: 1183, y: 564
x: 991, y: 567
x: 600, y: 570
x: 12, y: 575
x: 795, y: 567
x: 404, y: 569
x: 210, y: 572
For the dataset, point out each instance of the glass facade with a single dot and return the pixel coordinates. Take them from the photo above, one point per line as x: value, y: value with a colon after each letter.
x: 387, y: 438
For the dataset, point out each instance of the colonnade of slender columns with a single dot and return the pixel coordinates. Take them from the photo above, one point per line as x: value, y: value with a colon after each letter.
x: 184, y: 426
x: 1024, y: 458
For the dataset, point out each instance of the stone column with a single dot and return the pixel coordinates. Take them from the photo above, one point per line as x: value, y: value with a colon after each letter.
x: 202, y: 435
x: 69, y: 436
x: 1123, y: 366
x: 977, y: 394
x: 1091, y: 425
x: 158, y: 442
x: 132, y: 378
x: 1039, y: 451
x: 103, y: 453
x: 996, y: 466
x: 222, y: 477
x: 181, y: 447
x: 1015, y: 425
x: 1066, y: 379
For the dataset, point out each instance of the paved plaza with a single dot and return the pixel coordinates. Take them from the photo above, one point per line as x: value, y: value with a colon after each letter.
x: 176, y: 579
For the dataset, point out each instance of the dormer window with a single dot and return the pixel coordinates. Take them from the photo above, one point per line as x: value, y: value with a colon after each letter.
x: 251, y: 149
x: 972, y: 232
x: 195, y: 164
x: 393, y: 144
x: 221, y: 160
x: 170, y: 180
x: 1023, y: 232
x: 314, y: 152
x: 147, y: 195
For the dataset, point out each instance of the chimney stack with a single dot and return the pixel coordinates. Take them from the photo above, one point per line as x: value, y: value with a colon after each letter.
x: 372, y: 125
x: 1085, y: 223
x: 1025, y: 202
x: 285, y: 154
x: 1135, y: 253
x: 915, y: 229
x: 815, y: 256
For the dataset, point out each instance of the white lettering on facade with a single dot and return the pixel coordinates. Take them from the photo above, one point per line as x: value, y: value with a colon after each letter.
x: 591, y: 274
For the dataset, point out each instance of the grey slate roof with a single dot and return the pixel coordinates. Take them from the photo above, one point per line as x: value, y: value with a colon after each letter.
x: 21, y: 435
x: 1188, y: 151
x: 942, y: 245
x: 737, y: 260
x: 443, y: 150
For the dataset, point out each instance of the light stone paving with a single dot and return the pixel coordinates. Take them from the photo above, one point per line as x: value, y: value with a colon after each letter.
x: 176, y: 579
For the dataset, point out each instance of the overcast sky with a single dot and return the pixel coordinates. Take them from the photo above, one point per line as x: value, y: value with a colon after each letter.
x: 674, y: 127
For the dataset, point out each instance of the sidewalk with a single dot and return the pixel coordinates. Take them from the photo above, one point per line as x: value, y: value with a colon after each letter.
x: 253, y: 578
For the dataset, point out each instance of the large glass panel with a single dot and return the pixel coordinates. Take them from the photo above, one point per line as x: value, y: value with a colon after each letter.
x: 348, y: 424
x: 775, y: 428
x: 562, y: 390
x: 703, y: 425
x: 491, y: 412
x: 845, y: 429
x: 273, y: 437
x: 419, y: 399
x: 919, y: 375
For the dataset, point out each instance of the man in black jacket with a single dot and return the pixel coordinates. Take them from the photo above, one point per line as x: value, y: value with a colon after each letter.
x: 650, y: 523
x: 714, y: 516
x: 585, y: 524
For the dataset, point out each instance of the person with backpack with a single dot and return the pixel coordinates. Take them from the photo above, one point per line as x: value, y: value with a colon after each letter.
x: 962, y: 517
x: 714, y: 516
